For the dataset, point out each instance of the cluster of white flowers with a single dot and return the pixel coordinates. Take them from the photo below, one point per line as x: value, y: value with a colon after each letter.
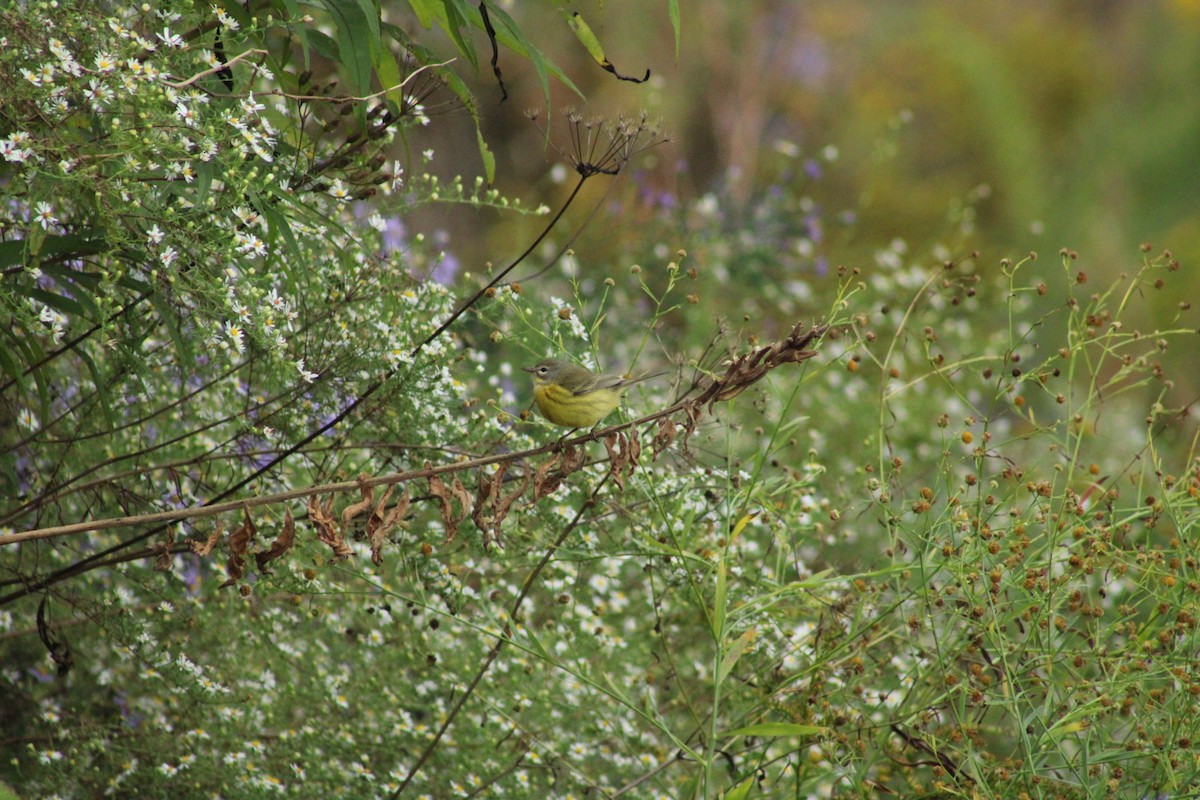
x: 14, y: 147
x: 54, y: 321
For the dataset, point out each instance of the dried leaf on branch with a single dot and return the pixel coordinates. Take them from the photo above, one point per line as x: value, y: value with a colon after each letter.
x: 665, y: 436
x: 206, y: 547
x: 164, y: 559
x: 354, y: 509
x: 490, y: 508
x: 623, y: 451
x: 445, y: 494
x: 239, y: 545
x: 744, y: 370
x: 327, y: 531
x: 283, y: 542
x: 384, y: 519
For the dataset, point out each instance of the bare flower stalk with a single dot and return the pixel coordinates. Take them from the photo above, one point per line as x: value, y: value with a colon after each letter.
x: 596, y: 149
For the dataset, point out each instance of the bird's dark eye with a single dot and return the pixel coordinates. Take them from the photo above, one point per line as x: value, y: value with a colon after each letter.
x: 542, y: 370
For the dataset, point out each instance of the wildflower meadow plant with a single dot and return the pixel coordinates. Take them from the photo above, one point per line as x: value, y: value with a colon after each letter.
x: 277, y: 521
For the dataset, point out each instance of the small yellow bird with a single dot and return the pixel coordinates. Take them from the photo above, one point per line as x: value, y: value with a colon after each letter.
x: 575, y: 397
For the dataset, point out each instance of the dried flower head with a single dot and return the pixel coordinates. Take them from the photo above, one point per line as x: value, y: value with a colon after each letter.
x: 603, y: 147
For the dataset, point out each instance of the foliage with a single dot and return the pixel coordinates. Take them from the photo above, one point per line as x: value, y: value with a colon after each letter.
x: 941, y: 544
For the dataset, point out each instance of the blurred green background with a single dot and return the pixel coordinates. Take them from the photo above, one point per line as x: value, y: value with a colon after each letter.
x: 808, y: 135
x: 1081, y: 120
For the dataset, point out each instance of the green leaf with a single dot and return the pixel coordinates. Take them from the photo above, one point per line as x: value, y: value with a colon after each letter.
x: 100, y: 387
x: 58, y: 302
x: 509, y: 34
x: 323, y: 44
x: 82, y: 286
x: 454, y: 21
x: 426, y: 11
x: 277, y: 224
x: 40, y: 376
x: 735, y: 652
x: 588, y: 39
x: 33, y: 243
x: 10, y: 366
x: 673, y: 10
x: 741, y: 790
x: 616, y: 690
x: 203, y: 184
x: 764, y: 729
x: 12, y: 253
x: 16, y: 252
x: 136, y: 284
x: 370, y: 10
x: 61, y: 272
x: 583, y: 32
x: 389, y: 76
x: 170, y: 317
x: 302, y: 35
x: 783, y: 430
x: 533, y: 644
x: 450, y: 17
x: 718, y: 619
x: 357, y: 42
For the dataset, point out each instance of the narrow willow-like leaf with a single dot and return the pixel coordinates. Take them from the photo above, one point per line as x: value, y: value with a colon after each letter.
x: 741, y: 790
x: 388, y: 71
x: 325, y: 46
x: 718, y: 618
x: 277, y: 224
x: 12, y: 253
x: 355, y: 43
x: 431, y: 12
x: 66, y: 305
x: 457, y: 14
x: 735, y: 652
x: 673, y: 10
x: 9, y: 364
x: 100, y: 387
x: 509, y: 34
x: 170, y: 317
x: 591, y: 43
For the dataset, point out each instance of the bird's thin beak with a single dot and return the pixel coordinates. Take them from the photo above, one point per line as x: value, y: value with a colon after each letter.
x: 529, y: 369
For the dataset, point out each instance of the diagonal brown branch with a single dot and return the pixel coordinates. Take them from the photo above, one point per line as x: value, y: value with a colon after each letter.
x: 740, y: 372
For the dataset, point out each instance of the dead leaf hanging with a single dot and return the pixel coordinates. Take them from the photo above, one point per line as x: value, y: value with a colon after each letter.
x: 327, y: 532
x: 164, y: 559
x: 485, y: 498
x: 383, y: 521
x: 444, y: 495
x: 283, y: 542
x: 206, y: 547
x: 502, y: 506
x: 239, y: 545
x: 354, y: 509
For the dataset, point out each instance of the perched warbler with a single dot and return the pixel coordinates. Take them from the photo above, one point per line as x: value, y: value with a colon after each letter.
x: 575, y: 397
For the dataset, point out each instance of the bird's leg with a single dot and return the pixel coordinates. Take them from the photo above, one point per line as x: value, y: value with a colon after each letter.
x: 559, y: 445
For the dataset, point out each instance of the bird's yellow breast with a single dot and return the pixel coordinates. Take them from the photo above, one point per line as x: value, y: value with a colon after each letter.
x: 564, y: 407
